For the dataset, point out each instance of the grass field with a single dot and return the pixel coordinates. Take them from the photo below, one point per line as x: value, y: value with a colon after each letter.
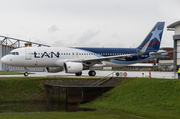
x: 135, y: 98
x: 20, y: 89
x: 10, y: 73
x: 152, y: 98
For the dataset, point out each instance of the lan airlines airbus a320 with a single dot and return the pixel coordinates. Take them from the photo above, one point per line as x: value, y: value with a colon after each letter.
x: 77, y: 59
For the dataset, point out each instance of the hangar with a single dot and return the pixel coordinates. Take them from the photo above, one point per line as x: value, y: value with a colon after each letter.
x: 7, y: 44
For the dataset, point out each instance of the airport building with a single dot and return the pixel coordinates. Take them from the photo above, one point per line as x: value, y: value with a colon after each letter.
x: 7, y: 44
x: 176, y: 37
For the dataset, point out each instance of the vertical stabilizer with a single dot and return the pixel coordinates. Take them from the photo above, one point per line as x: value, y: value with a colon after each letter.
x: 154, y: 37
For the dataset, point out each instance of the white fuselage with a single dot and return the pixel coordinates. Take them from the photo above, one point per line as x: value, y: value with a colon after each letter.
x: 47, y: 57
x: 57, y: 56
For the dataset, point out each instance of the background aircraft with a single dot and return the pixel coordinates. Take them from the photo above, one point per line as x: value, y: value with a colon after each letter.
x: 77, y: 59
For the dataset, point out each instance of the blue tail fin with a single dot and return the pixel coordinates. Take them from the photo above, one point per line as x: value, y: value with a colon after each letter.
x: 155, y: 36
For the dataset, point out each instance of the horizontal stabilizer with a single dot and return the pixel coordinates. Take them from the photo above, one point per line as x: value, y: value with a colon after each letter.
x: 152, y: 54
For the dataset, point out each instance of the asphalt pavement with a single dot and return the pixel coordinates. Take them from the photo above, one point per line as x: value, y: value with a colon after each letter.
x: 169, y: 75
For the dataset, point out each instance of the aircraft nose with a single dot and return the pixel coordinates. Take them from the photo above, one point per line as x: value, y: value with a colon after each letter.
x: 4, y: 60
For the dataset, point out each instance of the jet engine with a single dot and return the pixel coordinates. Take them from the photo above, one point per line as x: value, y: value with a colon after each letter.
x: 73, y: 67
x: 54, y: 69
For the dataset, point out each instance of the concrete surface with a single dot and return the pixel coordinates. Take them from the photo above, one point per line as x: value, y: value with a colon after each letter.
x: 169, y: 75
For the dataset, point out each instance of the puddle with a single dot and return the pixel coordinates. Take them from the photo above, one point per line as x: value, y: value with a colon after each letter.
x: 40, y: 107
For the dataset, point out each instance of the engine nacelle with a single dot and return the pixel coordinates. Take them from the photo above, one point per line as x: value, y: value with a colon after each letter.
x: 54, y: 69
x: 73, y: 67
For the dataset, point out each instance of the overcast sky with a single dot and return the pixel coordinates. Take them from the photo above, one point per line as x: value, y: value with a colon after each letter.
x: 97, y: 23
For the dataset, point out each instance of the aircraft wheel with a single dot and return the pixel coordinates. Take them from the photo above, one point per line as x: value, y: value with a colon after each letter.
x: 92, y: 73
x: 78, y: 74
x: 25, y: 73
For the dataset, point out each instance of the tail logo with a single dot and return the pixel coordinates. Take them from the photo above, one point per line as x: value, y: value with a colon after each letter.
x: 155, y: 34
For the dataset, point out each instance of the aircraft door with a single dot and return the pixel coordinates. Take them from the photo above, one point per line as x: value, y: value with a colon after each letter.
x: 28, y: 54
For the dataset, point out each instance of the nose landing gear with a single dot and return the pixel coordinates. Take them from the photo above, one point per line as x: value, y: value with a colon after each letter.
x: 26, y: 71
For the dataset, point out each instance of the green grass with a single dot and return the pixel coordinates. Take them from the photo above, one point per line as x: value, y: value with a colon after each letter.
x: 100, y: 114
x: 154, y: 98
x: 13, y: 73
x: 20, y: 89
x: 10, y: 73
x: 135, y: 98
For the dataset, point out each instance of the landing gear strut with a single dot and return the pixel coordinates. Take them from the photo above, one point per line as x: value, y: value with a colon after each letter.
x: 92, y: 73
x: 78, y: 74
x: 26, y: 71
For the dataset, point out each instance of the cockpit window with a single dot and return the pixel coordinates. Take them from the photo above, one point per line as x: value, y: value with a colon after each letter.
x: 10, y: 53
x: 14, y: 53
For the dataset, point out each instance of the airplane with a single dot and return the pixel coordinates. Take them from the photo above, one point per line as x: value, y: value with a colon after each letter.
x: 77, y: 59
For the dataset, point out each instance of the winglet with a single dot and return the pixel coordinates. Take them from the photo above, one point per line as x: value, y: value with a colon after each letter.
x: 143, y: 50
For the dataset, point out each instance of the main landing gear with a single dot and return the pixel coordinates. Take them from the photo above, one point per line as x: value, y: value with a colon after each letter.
x: 92, y: 73
x: 26, y: 71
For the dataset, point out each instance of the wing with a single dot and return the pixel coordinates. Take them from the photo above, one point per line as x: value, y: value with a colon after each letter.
x: 120, y: 57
